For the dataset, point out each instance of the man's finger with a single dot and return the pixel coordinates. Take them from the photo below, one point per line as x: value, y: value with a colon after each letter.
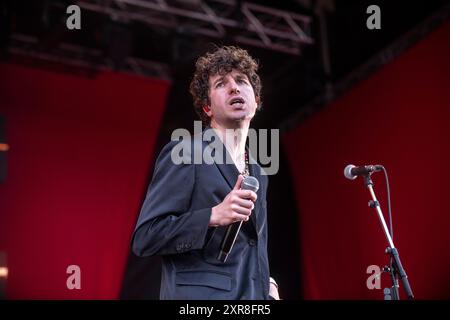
x: 245, y: 203
x: 237, y: 186
x: 247, y: 194
x: 242, y: 211
x: 241, y: 217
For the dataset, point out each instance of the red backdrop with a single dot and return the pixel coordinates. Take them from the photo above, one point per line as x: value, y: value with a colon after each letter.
x: 80, y: 150
x: 399, y: 117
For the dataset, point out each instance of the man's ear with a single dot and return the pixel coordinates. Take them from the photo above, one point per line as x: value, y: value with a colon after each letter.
x: 207, y: 110
x: 258, y: 102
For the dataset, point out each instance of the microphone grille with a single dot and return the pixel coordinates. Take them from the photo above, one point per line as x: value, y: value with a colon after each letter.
x: 250, y: 183
x: 348, y: 172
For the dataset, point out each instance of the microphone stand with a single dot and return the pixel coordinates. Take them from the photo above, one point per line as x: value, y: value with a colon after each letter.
x: 395, y: 269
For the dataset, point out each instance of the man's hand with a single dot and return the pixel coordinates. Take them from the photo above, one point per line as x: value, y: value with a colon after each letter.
x: 237, y: 206
x: 273, y: 289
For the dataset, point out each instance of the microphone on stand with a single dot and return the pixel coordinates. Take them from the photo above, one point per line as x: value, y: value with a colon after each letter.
x: 249, y: 183
x: 352, y: 172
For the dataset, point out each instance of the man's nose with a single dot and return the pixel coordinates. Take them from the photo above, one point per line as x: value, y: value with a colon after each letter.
x: 234, y: 88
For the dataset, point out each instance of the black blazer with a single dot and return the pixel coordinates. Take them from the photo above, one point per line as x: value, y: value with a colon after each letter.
x: 173, y: 223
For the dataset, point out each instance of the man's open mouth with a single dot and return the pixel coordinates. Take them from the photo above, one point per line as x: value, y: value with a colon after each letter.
x: 237, y: 100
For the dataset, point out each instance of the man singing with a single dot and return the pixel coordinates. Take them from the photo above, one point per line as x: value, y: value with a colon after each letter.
x: 189, y: 206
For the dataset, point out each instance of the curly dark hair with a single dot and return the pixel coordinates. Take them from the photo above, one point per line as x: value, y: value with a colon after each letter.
x: 221, y: 61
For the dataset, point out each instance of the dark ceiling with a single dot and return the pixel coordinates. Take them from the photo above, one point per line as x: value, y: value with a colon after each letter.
x: 290, y: 82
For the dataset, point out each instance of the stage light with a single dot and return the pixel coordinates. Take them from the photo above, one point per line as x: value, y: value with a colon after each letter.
x: 3, y: 272
x: 4, y: 147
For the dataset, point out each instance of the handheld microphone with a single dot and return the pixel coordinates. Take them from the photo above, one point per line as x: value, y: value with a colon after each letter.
x: 249, y: 183
x: 351, y: 171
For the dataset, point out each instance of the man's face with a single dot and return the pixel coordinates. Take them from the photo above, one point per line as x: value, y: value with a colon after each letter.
x: 232, y: 99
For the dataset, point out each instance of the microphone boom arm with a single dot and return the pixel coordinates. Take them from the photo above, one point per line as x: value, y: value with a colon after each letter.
x: 396, y: 265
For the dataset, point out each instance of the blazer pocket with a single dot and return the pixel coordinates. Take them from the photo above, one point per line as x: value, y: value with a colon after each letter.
x: 206, y: 278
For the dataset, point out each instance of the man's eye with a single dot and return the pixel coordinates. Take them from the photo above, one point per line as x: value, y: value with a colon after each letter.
x: 219, y: 84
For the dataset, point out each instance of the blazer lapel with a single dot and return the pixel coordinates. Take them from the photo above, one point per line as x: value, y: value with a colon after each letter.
x: 228, y: 170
